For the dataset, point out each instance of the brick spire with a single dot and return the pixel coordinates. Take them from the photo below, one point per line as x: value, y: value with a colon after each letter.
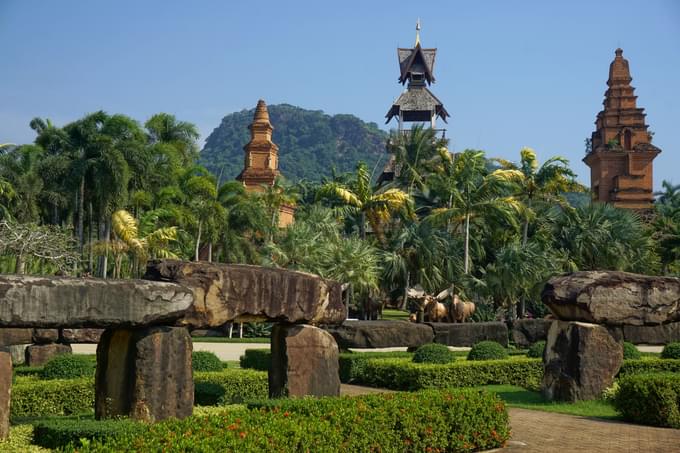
x: 261, y: 154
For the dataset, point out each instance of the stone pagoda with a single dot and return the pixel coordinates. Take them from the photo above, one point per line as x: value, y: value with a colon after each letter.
x: 621, y: 153
x: 261, y: 167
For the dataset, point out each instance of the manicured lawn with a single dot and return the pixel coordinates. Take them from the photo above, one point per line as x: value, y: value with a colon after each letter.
x: 392, y: 314
x: 230, y: 340
x: 527, y: 399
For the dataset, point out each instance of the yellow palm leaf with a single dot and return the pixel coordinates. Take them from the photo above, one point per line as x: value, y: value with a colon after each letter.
x: 124, y: 225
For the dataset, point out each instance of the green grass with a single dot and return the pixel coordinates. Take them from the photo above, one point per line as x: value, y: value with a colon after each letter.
x: 229, y: 340
x: 526, y: 399
x: 392, y: 314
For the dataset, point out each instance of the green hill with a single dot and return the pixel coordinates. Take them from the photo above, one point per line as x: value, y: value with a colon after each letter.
x: 310, y: 143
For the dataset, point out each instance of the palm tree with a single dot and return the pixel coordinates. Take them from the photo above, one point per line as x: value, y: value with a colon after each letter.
x: 376, y: 207
x: 164, y: 128
x: 544, y: 184
x: 273, y: 197
x: 415, y: 154
x: 476, y: 195
x: 21, y: 181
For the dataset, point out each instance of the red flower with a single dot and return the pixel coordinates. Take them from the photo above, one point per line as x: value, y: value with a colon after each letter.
x: 242, y: 434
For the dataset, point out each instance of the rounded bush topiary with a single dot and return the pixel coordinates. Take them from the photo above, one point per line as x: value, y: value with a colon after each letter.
x: 536, y: 350
x: 69, y: 366
x: 205, y: 361
x: 487, y: 350
x: 630, y: 351
x: 671, y: 351
x: 433, y: 353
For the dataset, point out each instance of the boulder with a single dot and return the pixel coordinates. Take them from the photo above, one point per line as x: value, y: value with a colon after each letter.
x: 613, y: 298
x: 5, y: 391
x: 40, y: 354
x: 144, y: 374
x: 380, y: 334
x: 658, y: 335
x: 28, y: 301
x: 469, y: 333
x: 304, y: 362
x: 231, y: 292
x: 44, y: 336
x: 18, y: 353
x: 580, y: 361
x: 10, y: 336
x: 208, y: 333
x: 526, y: 332
x: 71, y: 336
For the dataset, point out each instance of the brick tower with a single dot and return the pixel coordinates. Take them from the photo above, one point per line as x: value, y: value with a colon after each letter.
x: 261, y: 167
x: 621, y: 153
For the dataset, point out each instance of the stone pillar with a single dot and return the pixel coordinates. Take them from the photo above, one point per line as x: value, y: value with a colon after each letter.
x: 40, y: 354
x: 580, y: 361
x: 5, y: 390
x: 144, y: 374
x: 304, y: 362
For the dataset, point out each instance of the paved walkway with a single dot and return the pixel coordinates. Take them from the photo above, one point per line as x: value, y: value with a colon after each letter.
x: 544, y: 432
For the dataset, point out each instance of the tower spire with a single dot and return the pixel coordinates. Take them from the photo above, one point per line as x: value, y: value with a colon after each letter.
x: 417, y: 32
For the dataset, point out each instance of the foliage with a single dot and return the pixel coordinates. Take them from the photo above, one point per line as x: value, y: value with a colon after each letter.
x: 630, y: 351
x: 650, y: 399
x: 205, y: 361
x: 256, y: 359
x: 258, y: 330
x: 229, y: 386
x: 310, y: 142
x: 60, y: 431
x: 36, y: 398
x: 649, y: 365
x: 352, y: 364
x: 69, y: 366
x: 433, y: 353
x: 487, y: 350
x: 21, y: 441
x: 671, y: 351
x: 536, y: 350
x: 445, y: 420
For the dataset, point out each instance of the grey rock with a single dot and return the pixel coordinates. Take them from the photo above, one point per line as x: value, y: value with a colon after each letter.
x: 18, y: 353
x: 580, y: 361
x: 5, y: 391
x: 380, y: 334
x: 526, y: 332
x: 613, y: 298
x: 469, y: 333
x: 71, y: 336
x: 657, y: 335
x: 10, y: 336
x: 231, y: 292
x: 44, y: 336
x: 40, y: 354
x: 28, y: 301
x: 304, y: 362
x: 144, y: 374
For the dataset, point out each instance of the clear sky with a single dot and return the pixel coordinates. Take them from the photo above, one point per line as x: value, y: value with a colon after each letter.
x: 511, y: 73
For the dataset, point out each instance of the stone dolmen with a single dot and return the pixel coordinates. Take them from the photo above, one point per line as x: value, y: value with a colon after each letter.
x: 584, y: 348
x: 144, y: 355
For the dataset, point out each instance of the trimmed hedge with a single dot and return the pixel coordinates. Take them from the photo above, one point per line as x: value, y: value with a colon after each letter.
x: 229, y: 386
x: 453, y: 420
x: 59, y: 432
x: 256, y: 359
x: 206, y: 361
x: 69, y: 366
x: 433, y: 353
x: 36, y: 398
x: 630, y: 351
x: 401, y: 374
x: 650, y: 399
x: 671, y: 351
x: 649, y: 365
x: 487, y: 350
x: 536, y: 350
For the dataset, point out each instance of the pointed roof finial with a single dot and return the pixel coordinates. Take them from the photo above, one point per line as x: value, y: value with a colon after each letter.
x: 618, y: 52
x: 417, y: 32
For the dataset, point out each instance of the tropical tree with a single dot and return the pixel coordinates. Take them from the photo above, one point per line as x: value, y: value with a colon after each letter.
x: 21, y: 182
x: 164, y: 128
x: 416, y: 153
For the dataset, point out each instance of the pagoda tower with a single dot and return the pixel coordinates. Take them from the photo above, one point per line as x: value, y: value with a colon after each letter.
x: 261, y: 166
x: 621, y: 153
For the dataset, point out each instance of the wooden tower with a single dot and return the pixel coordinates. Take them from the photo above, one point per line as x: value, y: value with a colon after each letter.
x: 621, y: 153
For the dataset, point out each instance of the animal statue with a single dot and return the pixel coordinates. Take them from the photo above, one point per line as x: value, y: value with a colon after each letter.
x: 433, y: 310
x: 372, y: 307
x: 459, y: 310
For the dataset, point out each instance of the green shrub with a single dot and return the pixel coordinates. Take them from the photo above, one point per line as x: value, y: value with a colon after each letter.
x: 256, y: 359
x: 402, y: 374
x: 536, y: 350
x: 433, y: 353
x: 205, y: 361
x: 630, y: 351
x: 27, y: 370
x: 431, y: 420
x: 229, y: 386
x: 37, y: 398
x: 69, y: 366
x: 650, y: 399
x: 671, y: 351
x: 649, y: 365
x: 59, y: 432
x: 352, y: 364
x: 487, y: 350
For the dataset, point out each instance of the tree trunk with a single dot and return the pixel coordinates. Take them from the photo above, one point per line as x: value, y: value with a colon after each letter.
x: 105, y: 229
x: 81, y: 213
x: 198, y: 241
x: 525, y: 232
x: 521, y: 308
x: 20, y: 267
x: 362, y: 225
x: 467, y: 243
x: 405, y: 297
x: 89, y: 238
x: 210, y: 251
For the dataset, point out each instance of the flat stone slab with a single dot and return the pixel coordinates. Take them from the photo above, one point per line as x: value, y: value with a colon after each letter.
x: 380, y: 334
x: 469, y: 333
x: 28, y: 301
x: 658, y: 335
x: 241, y: 293
x: 613, y: 298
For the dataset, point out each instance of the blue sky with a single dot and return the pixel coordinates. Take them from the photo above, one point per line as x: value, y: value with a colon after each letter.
x: 511, y: 73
